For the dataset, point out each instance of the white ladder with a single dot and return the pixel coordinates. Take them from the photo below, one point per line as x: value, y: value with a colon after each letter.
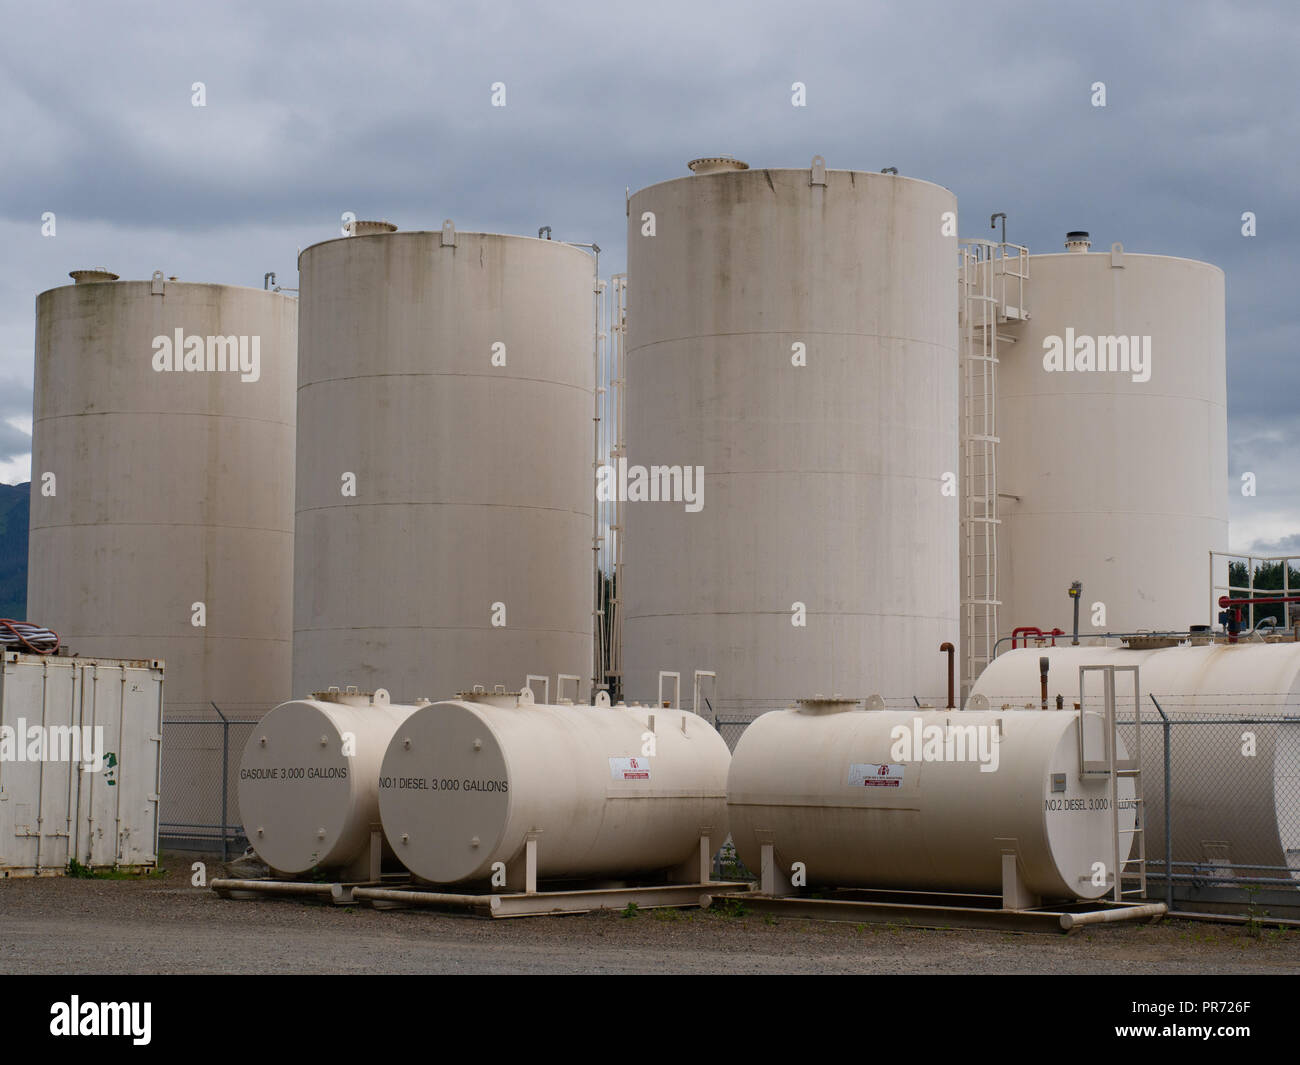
x: 1124, y: 865
x: 992, y: 277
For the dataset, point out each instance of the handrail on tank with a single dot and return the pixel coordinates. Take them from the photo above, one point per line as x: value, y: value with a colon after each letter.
x: 1182, y: 635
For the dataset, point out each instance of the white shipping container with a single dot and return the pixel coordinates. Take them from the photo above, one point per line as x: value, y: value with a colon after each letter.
x: 80, y: 743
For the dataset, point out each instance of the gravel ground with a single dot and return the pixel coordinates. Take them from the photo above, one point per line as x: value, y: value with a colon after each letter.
x: 66, y: 926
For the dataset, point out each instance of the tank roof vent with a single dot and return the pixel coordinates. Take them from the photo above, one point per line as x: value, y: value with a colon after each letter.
x: 358, y: 228
x: 499, y: 697
x: 821, y: 704
x: 1077, y: 240
x: 715, y: 164
x: 350, y: 696
x: 91, y: 275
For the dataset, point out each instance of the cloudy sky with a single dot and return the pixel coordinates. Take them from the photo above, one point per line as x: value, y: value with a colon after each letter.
x: 384, y: 109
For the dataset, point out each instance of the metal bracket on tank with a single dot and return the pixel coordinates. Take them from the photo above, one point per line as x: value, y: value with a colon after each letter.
x: 448, y: 233
x: 772, y: 880
x: 527, y: 882
x: 1117, y: 254
x: 1015, y: 893
x: 698, y: 867
x: 817, y: 175
x: 701, y: 675
x: 528, y: 683
x: 677, y: 689
x: 158, y: 284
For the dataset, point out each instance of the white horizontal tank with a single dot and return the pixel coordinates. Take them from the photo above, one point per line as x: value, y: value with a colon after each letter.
x: 1116, y: 478
x: 445, y: 488
x: 309, y: 780
x: 470, y: 782
x: 1229, y: 807
x: 792, y: 333
x: 832, y: 787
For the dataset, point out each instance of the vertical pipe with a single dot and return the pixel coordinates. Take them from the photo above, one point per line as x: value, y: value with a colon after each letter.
x: 94, y: 720
x: 949, y: 650
x: 225, y: 774
x: 1044, y: 664
x: 40, y: 771
x: 225, y: 783
x: 597, y: 618
x: 121, y: 735
x: 1169, y: 820
x: 157, y: 771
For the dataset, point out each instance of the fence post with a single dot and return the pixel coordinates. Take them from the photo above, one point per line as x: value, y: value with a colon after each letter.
x: 225, y: 776
x: 1169, y: 814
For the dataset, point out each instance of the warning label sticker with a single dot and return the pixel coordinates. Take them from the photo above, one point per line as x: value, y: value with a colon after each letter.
x: 870, y: 775
x: 629, y: 768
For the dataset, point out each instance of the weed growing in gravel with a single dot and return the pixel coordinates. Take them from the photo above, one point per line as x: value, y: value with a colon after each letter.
x: 630, y: 910
x: 730, y: 908
x: 85, y: 872
x: 667, y: 914
x: 1253, y: 926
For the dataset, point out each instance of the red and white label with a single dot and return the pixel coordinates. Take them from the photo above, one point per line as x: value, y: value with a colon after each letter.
x: 872, y: 775
x: 629, y: 768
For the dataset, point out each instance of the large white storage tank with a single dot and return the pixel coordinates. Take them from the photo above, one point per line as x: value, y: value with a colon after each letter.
x: 793, y: 333
x: 487, y: 777
x: 1234, y: 788
x: 445, y: 484
x: 834, y: 788
x: 162, y: 497
x: 1118, y: 479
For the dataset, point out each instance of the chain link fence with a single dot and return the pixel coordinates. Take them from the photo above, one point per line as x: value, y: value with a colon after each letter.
x: 1220, y: 788
x: 1221, y: 799
x: 200, y: 780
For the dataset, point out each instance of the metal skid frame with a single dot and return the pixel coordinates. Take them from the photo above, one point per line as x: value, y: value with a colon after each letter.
x: 691, y: 886
x: 1016, y: 909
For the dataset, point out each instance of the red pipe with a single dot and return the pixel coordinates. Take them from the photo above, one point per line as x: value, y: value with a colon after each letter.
x: 1026, y: 631
x: 1226, y: 601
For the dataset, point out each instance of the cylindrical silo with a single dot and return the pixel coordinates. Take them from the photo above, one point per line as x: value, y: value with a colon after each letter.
x: 444, y: 486
x: 596, y: 791
x: 309, y: 781
x: 927, y: 799
x: 792, y: 339
x: 1234, y: 787
x: 162, y: 501
x: 1112, y: 465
